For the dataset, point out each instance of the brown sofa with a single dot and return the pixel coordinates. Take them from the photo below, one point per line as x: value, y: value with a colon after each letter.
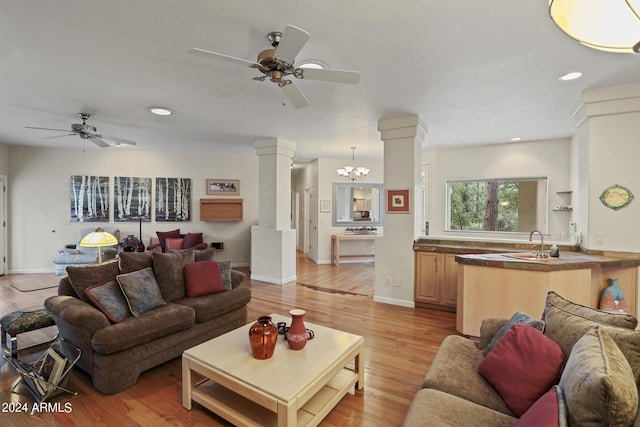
x: 597, y: 386
x: 115, y: 353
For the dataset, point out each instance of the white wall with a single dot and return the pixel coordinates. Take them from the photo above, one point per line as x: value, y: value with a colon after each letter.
x: 550, y: 158
x: 614, y: 152
x: 4, y: 159
x: 39, y: 198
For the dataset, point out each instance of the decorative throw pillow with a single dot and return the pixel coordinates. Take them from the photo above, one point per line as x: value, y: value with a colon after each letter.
x: 518, y: 317
x: 522, y: 366
x: 81, y: 277
x: 548, y: 411
x: 141, y: 291
x: 203, y: 254
x: 225, y: 269
x: 133, y: 261
x: 173, y: 244
x: 598, y: 384
x: 162, y: 235
x: 192, y: 239
x: 566, y: 322
x: 168, y: 268
x: 202, y: 278
x: 108, y: 298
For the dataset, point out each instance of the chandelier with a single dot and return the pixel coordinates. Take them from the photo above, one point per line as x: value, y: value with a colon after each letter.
x: 352, y: 172
x: 609, y: 25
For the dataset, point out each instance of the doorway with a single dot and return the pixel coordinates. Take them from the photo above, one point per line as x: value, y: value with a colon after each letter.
x: 3, y: 225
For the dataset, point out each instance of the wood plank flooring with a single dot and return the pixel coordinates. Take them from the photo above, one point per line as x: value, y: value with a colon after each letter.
x: 400, y: 345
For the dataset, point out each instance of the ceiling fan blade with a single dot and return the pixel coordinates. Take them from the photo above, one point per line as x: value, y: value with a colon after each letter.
x: 119, y: 140
x: 59, y: 136
x: 100, y: 143
x: 215, y: 55
x: 57, y: 130
x: 295, y: 95
x: 292, y: 40
x: 335, y: 76
x: 234, y: 89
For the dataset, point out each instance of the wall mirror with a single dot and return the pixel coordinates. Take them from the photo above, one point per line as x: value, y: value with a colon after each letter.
x: 497, y: 205
x: 357, y: 205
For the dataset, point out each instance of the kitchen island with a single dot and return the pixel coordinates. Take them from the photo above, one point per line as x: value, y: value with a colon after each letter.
x: 499, y: 284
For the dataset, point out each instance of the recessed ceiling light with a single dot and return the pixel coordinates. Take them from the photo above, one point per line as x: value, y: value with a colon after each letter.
x: 312, y: 63
x: 515, y: 139
x: 160, y: 111
x: 571, y: 76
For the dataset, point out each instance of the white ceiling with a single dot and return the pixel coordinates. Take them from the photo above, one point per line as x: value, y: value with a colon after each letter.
x: 477, y: 72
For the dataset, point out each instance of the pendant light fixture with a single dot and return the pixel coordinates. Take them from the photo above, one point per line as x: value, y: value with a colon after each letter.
x: 352, y: 173
x: 609, y: 25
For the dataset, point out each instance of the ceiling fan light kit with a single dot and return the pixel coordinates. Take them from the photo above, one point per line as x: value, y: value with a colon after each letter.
x: 277, y: 64
x: 608, y: 25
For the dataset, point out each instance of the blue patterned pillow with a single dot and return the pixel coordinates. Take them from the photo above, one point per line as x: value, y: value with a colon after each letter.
x: 141, y: 290
x: 109, y: 299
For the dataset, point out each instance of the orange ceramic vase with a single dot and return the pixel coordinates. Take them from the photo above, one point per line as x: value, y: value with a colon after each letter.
x: 297, y: 334
x: 263, y: 336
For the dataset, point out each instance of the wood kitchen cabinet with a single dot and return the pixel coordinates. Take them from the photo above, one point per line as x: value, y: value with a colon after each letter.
x: 436, y: 280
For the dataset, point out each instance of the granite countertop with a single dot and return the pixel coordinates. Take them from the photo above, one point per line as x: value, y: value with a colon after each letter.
x: 507, y: 255
x: 566, y: 261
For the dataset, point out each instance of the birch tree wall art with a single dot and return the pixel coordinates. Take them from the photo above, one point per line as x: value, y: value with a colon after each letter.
x: 173, y: 199
x: 89, y: 198
x: 132, y: 199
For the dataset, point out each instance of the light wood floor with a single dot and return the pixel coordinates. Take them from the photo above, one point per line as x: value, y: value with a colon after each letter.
x: 400, y: 345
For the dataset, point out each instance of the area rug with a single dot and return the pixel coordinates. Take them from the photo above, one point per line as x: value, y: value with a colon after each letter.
x: 29, y: 285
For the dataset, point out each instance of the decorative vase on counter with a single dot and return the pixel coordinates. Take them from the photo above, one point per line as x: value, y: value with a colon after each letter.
x: 613, y: 297
x: 131, y: 243
x: 297, y: 333
x: 263, y: 336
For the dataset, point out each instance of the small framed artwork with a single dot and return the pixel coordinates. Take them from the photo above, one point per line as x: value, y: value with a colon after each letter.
x: 223, y: 187
x: 325, y: 205
x: 397, y: 201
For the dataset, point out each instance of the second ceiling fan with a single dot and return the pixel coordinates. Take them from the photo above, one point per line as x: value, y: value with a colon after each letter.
x: 278, y: 64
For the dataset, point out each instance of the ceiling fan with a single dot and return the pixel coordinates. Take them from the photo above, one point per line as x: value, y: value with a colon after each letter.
x: 278, y: 64
x: 85, y: 131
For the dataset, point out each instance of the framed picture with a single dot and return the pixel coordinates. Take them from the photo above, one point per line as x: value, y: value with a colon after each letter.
x: 223, y: 187
x: 89, y: 198
x: 173, y: 199
x: 397, y: 201
x: 325, y: 205
x: 131, y: 199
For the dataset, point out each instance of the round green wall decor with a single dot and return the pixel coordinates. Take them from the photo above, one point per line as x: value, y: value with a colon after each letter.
x: 616, y: 197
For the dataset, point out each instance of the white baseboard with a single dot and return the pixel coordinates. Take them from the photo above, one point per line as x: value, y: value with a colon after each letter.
x: 35, y: 270
x: 274, y: 280
x: 394, y: 301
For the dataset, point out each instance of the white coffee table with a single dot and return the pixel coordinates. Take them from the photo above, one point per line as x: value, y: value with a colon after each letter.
x: 291, y: 388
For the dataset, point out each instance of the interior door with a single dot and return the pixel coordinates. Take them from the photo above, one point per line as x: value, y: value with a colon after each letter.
x: 313, y: 224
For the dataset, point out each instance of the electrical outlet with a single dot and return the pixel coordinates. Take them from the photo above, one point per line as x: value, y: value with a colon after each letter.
x: 563, y: 237
x: 387, y: 281
x: 396, y: 282
x: 599, y: 238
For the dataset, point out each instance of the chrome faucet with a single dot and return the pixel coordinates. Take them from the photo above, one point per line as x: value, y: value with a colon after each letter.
x: 541, y: 254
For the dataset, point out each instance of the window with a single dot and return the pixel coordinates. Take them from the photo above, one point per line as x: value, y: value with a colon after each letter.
x: 497, y: 205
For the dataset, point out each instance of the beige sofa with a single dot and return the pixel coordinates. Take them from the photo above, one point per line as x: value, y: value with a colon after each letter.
x: 115, y: 353
x: 597, y: 385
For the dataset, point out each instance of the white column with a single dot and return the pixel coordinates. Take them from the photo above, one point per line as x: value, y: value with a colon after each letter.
x: 402, y: 139
x: 273, y: 244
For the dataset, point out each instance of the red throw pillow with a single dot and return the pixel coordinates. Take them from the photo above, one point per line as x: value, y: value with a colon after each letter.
x: 548, y: 411
x: 162, y: 235
x: 202, y: 278
x: 523, y: 366
x: 173, y: 244
x: 192, y: 239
